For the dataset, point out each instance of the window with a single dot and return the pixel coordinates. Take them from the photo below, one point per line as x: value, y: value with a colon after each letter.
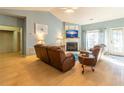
x: 92, y: 38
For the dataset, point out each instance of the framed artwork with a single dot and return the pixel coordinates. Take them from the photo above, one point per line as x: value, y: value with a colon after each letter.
x: 41, y: 28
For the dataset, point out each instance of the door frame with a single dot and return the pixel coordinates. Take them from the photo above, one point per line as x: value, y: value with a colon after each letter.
x: 109, y: 40
x: 15, y: 29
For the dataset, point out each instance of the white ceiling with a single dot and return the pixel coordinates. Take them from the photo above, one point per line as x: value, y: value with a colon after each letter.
x: 88, y: 15
x: 83, y: 15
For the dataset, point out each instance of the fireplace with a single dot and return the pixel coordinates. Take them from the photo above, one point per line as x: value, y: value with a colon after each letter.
x: 71, y: 46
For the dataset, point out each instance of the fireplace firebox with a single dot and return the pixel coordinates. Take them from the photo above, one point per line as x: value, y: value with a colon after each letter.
x: 71, y: 46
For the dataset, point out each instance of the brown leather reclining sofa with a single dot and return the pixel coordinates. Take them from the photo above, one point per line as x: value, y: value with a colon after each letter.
x: 55, y: 56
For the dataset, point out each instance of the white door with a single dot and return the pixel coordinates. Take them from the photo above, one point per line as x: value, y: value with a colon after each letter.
x: 116, y: 41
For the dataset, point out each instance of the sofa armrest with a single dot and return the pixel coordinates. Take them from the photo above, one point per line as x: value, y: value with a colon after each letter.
x: 69, y: 62
x: 69, y: 55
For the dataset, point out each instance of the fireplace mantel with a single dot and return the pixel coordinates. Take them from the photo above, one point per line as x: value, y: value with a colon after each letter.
x: 72, y: 37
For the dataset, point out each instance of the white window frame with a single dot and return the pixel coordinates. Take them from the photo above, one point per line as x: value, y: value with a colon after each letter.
x: 90, y: 31
x: 108, y: 38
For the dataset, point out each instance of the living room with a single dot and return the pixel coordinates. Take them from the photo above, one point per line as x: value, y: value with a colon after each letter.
x: 32, y: 36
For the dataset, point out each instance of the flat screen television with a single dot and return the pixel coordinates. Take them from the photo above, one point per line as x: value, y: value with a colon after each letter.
x: 71, y: 33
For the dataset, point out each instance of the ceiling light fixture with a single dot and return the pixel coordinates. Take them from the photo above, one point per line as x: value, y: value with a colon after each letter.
x: 69, y: 9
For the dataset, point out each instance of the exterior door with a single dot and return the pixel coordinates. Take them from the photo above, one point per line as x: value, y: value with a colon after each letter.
x: 116, y: 41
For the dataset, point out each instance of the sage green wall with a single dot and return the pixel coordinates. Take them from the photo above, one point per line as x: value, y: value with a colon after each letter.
x: 6, y: 41
x: 102, y: 26
x: 15, y: 41
x: 54, y: 26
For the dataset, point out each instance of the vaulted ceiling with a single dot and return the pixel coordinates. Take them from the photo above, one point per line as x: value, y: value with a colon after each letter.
x: 82, y: 15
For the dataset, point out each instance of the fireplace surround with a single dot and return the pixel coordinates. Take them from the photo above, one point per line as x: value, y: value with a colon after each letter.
x: 71, y: 46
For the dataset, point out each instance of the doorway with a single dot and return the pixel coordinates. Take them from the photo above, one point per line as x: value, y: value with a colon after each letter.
x: 116, y: 41
x: 10, y: 39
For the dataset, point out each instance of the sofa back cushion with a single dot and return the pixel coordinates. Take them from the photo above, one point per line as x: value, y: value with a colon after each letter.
x: 41, y: 52
x: 44, y: 53
x: 56, y: 55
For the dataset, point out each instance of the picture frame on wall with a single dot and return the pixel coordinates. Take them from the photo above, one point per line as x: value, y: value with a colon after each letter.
x: 41, y: 28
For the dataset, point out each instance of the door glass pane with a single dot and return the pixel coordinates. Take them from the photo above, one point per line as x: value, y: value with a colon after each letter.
x: 117, y: 41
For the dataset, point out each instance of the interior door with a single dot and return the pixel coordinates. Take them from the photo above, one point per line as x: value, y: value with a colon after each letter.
x: 116, y: 41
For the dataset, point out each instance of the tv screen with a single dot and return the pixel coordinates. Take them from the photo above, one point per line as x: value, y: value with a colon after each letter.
x: 71, y: 33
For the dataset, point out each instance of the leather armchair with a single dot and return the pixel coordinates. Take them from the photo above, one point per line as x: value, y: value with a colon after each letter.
x: 90, y: 58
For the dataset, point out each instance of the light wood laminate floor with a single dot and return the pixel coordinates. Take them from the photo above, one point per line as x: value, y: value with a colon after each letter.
x: 16, y: 70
